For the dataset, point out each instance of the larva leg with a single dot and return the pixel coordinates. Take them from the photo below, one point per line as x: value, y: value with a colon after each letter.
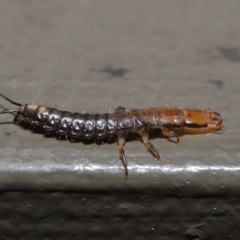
x: 150, y: 147
x: 120, y: 109
x: 169, y: 134
x: 121, y: 142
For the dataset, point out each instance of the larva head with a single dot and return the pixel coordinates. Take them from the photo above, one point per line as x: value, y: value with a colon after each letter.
x: 12, y: 111
x: 202, y: 121
x: 25, y: 113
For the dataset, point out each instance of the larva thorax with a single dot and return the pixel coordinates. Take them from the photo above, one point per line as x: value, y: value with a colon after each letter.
x: 163, y: 117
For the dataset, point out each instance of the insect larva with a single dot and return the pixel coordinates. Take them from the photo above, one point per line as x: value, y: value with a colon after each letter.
x: 79, y: 127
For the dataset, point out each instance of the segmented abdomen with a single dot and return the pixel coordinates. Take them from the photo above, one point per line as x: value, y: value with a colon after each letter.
x: 74, y: 125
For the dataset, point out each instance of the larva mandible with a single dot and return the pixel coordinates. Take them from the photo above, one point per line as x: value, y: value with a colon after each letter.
x: 79, y: 126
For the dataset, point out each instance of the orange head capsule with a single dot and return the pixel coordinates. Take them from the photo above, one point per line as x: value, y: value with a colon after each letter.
x: 197, y: 121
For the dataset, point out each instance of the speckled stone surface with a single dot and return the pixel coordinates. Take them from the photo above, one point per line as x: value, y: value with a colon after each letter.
x: 93, y: 56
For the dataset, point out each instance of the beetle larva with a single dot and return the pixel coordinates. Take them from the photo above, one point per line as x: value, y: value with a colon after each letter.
x: 80, y: 127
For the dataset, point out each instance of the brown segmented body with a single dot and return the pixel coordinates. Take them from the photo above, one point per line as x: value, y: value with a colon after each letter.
x: 79, y: 126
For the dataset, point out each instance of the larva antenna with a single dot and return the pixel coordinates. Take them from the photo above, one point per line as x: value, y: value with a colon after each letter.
x: 11, y: 101
x: 9, y: 111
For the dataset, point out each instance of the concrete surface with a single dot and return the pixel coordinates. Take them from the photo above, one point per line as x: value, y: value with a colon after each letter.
x: 96, y: 55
